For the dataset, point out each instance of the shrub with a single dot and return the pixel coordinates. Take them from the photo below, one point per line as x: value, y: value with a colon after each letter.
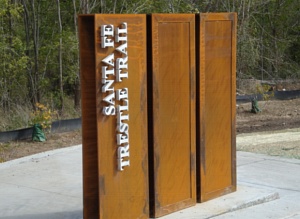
x: 43, y: 116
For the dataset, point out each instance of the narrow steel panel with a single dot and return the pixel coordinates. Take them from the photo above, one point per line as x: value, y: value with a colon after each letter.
x: 216, y: 152
x: 173, y: 108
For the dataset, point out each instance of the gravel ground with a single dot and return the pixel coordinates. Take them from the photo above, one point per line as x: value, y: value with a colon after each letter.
x: 283, y: 143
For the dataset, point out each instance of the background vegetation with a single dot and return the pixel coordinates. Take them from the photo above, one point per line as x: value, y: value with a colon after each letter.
x: 39, y: 60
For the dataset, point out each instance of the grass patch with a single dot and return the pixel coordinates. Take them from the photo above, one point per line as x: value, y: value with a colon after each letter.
x: 19, y: 116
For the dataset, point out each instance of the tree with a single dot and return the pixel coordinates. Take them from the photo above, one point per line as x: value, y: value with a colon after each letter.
x: 39, y: 43
x: 12, y: 56
x: 61, y: 88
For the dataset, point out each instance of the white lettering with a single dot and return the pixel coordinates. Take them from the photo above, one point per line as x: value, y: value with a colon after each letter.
x: 106, y: 72
x: 121, y: 34
x: 109, y: 75
x: 121, y: 117
x: 109, y: 110
x: 120, y: 76
x: 106, y: 85
x: 123, y: 127
x: 110, y: 98
x: 123, y: 151
x: 121, y: 63
x: 122, y: 138
x: 122, y: 163
x: 106, y: 32
x: 123, y: 107
x: 122, y: 93
x: 122, y: 48
x: 109, y: 60
x: 106, y: 42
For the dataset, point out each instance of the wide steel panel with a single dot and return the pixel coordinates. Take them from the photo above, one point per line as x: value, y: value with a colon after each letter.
x: 217, y: 105
x: 121, y: 194
x: 173, y: 108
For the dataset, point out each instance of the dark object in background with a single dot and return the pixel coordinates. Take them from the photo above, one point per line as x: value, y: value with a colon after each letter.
x: 255, y: 108
x: 38, y: 133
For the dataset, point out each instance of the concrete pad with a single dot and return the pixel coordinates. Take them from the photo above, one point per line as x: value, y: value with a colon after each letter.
x: 244, y: 197
x: 248, y: 160
x: 272, y: 172
x: 22, y: 201
x: 45, y: 185
x: 57, y: 215
x: 267, y: 172
x: 49, y: 186
x: 277, y: 209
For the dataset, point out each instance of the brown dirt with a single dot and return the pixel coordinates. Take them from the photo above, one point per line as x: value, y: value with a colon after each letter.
x: 274, y: 131
x: 16, y: 149
x: 275, y: 115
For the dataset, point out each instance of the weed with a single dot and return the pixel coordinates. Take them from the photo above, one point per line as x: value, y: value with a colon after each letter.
x: 266, y: 92
x: 43, y: 116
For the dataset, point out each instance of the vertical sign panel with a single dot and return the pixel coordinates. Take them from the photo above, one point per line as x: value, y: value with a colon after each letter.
x: 120, y: 117
x: 217, y: 105
x: 172, y: 149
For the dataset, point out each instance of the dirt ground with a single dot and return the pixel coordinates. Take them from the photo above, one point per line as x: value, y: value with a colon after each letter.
x: 16, y: 149
x: 274, y: 131
x: 275, y: 115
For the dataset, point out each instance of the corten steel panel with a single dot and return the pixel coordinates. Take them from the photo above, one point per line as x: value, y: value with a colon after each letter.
x: 89, y: 125
x: 217, y: 105
x: 122, y: 194
x: 172, y: 153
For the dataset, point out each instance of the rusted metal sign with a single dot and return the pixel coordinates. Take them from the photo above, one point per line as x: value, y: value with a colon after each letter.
x: 158, y: 112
